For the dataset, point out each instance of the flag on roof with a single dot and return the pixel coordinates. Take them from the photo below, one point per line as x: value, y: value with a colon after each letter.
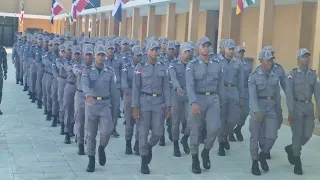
x: 117, y: 9
x: 81, y: 4
x: 73, y: 12
x: 22, y: 13
x: 55, y: 10
x: 242, y: 4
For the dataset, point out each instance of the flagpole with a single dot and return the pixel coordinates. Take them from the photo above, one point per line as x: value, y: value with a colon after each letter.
x: 62, y: 7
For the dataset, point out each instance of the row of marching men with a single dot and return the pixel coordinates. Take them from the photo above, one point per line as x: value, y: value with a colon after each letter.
x: 208, y: 94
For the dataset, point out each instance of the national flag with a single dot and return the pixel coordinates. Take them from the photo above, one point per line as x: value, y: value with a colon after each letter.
x: 22, y: 13
x: 117, y: 9
x: 81, y: 4
x: 74, y: 12
x: 137, y: 72
x: 56, y: 8
x: 242, y: 4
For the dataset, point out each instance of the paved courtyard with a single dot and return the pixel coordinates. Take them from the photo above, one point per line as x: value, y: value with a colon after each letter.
x: 32, y: 150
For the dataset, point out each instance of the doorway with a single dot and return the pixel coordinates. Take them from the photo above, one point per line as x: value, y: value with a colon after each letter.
x: 8, y: 26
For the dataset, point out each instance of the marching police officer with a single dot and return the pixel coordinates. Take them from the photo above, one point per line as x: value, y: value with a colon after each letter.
x: 247, y: 69
x: 302, y: 83
x: 126, y: 85
x: 15, y: 57
x: 150, y: 101
x: 99, y: 87
x: 116, y: 64
x: 180, y: 103
x: 205, y: 88
x: 20, y: 53
x: 233, y: 82
x: 34, y: 68
x: 3, y: 70
x: 42, y: 54
x: 79, y: 99
x: 264, y: 99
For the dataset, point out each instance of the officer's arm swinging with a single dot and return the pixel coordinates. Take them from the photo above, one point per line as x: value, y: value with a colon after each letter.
x: 289, y: 92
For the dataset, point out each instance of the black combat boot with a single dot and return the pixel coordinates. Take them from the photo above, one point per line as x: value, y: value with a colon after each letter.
x: 237, y: 132
x: 39, y: 104
x: 196, y: 164
x: 184, y: 142
x: 150, y: 154
x: 102, y: 156
x: 17, y: 80
x: 25, y: 88
x: 119, y: 114
x: 205, y: 159
x: 221, y: 151
x: 30, y: 94
x: 45, y: 112
x: 55, y: 121
x: 67, y: 139
x: 49, y: 115
x: 72, y: 130
x: 268, y: 155
x: 33, y: 98
x: 92, y: 164
x: 136, y: 148
x: 255, y: 168
x: 297, y: 165
x: 81, y: 149
x: 226, y: 145
x: 21, y: 82
x: 288, y: 149
x: 115, y: 133
x: 232, y: 138
x: 169, y: 127
x: 128, y: 147
x: 144, y: 165
x: 162, y: 141
x: 1, y: 112
x: 176, y: 149
x: 62, y: 129
x: 263, y: 162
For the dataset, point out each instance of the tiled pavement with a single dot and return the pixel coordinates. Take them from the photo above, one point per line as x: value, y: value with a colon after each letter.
x: 32, y: 150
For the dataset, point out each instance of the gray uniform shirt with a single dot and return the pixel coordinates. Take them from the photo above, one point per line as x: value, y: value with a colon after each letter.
x: 260, y: 86
x: 247, y: 69
x: 77, y: 70
x: 71, y: 77
x: 127, y: 76
x: 203, y: 78
x: 177, y: 71
x: 60, y: 62
x: 116, y: 64
x: 277, y: 68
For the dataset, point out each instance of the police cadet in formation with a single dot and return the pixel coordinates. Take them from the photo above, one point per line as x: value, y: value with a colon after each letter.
x: 205, y: 89
x: 100, y: 89
x: 34, y: 68
x: 150, y: 101
x: 65, y: 58
x: 20, y: 53
x: 277, y: 68
x: 232, y: 71
x: 54, y: 87
x: 247, y: 69
x: 125, y: 55
x: 168, y: 58
x: 302, y: 82
x: 163, y: 46
x: 264, y: 99
x: 79, y: 99
x: 177, y: 45
x: 40, y: 58
x: 27, y: 55
x: 16, y: 58
x: 3, y: 70
x: 69, y: 92
x: 126, y: 85
x: 116, y: 64
x: 179, y: 99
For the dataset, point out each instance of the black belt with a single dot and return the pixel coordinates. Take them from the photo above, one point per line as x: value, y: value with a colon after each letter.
x: 206, y: 93
x: 62, y: 77
x: 71, y: 83
x: 229, y: 85
x: 151, y: 94
x: 303, y: 101
x: 100, y: 98
x: 265, y: 97
x: 49, y: 73
x: 79, y: 90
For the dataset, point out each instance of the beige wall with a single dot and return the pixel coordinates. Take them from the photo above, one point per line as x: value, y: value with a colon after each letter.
x: 9, y: 6
x: 36, y: 23
x: 106, y: 2
x: 181, y: 24
x: 129, y: 27
x: 39, y: 7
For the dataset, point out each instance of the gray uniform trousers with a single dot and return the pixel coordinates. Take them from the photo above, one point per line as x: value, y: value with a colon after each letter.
x: 79, y: 116
x: 68, y: 106
x: 21, y: 67
x: 179, y: 114
x: 151, y: 118
x: 25, y: 72
x: 245, y: 109
x: 61, y: 85
x: 130, y: 121
x: 49, y: 80
x: 117, y: 104
x: 44, y: 91
x: 209, y: 117
x: 302, y: 125
x: 17, y: 66
x: 98, y: 115
x: 33, y: 77
x: 230, y: 113
x: 54, y: 97
x: 270, y: 122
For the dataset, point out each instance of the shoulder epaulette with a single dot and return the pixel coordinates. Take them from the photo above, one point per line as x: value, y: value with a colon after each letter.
x: 216, y: 60
x: 193, y: 61
x: 108, y: 67
x: 278, y: 64
x: 253, y: 72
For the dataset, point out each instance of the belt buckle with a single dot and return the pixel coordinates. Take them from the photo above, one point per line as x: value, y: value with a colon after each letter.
x: 269, y: 97
x: 99, y: 98
x: 208, y: 93
x: 306, y: 102
x: 154, y: 95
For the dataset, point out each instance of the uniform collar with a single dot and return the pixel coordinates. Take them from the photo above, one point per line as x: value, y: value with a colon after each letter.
x: 300, y: 70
